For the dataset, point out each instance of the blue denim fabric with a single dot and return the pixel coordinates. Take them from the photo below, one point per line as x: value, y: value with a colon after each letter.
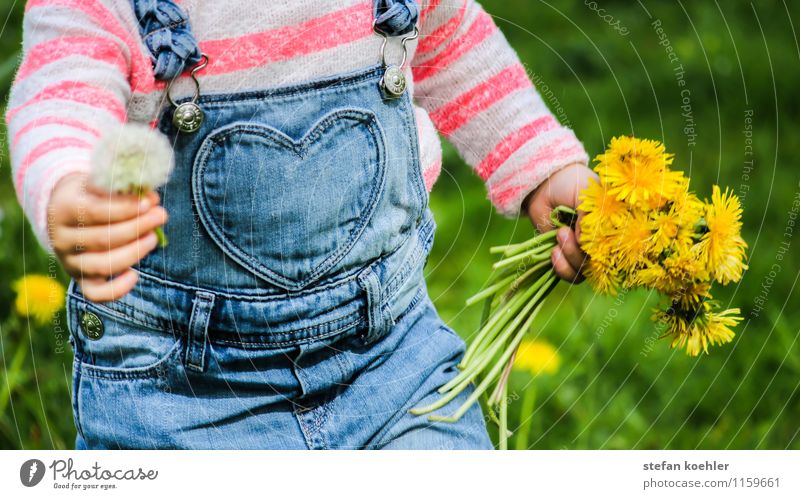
x: 396, y: 17
x: 289, y: 309
x: 165, y: 29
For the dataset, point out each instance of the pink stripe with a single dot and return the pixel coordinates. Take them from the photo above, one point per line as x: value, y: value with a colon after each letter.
x: 53, y: 120
x: 453, y: 115
x: 427, y: 10
x: 430, y: 174
x: 315, y: 35
x: 141, y: 72
x: 95, y: 47
x: 479, y: 30
x: 512, y: 143
x: 501, y: 195
x: 76, y: 91
x: 44, y: 148
x: 443, y: 32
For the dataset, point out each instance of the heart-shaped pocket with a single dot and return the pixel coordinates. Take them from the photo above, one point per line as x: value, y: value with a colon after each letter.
x: 290, y: 210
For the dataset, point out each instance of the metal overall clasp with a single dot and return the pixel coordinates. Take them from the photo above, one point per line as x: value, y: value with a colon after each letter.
x: 188, y: 117
x: 393, y: 81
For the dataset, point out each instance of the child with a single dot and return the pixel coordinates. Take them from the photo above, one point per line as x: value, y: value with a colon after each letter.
x: 289, y: 308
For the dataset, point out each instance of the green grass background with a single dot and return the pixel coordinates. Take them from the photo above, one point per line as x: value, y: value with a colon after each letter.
x: 615, y: 389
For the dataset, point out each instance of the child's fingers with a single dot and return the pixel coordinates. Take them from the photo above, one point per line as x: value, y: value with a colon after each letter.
x: 108, y: 263
x: 103, y: 208
x: 570, y: 248
x: 563, y: 268
x: 154, y: 198
x: 108, y: 236
x: 100, y: 289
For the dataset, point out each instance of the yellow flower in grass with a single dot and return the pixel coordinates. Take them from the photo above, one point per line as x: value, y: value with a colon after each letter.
x: 695, y: 330
x: 537, y: 357
x: 38, y: 297
x: 721, y: 246
x: 637, y: 171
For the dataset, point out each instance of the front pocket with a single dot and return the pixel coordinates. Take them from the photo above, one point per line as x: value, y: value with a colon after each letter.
x: 289, y: 210
x: 126, y: 348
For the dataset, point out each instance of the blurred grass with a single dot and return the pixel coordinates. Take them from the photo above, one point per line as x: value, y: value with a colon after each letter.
x: 616, y: 388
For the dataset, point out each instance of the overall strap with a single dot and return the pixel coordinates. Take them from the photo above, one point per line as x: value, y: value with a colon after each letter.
x: 395, y: 17
x: 165, y: 30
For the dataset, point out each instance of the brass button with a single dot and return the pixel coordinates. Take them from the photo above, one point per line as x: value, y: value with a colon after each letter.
x: 91, y: 325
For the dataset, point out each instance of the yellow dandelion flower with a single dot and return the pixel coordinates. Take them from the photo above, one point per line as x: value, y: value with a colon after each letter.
x: 38, y: 297
x: 637, y: 171
x: 694, y: 330
x: 673, y: 227
x: 635, y: 242
x: 600, y: 206
x: 537, y: 357
x: 602, y: 276
x: 721, y: 246
x: 692, y: 295
x: 652, y: 276
x: 599, y: 242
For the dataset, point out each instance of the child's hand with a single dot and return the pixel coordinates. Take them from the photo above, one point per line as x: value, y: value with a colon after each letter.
x: 97, y: 235
x: 562, y: 188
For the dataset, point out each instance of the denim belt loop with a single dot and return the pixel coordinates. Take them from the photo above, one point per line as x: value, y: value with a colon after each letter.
x: 379, y: 317
x: 202, y: 305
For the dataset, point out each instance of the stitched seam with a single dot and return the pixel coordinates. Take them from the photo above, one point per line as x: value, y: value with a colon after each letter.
x: 169, y: 27
x: 333, y: 85
x: 191, y: 339
x: 146, y: 372
x: 290, y: 342
x: 250, y: 298
x: 315, y: 132
x: 150, y: 322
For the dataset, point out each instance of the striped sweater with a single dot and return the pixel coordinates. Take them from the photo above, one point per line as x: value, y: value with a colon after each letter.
x: 85, y: 69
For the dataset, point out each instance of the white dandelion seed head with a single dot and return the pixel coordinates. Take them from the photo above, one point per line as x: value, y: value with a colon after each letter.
x: 131, y: 158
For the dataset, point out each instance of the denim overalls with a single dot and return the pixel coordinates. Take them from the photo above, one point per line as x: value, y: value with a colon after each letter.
x: 289, y: 309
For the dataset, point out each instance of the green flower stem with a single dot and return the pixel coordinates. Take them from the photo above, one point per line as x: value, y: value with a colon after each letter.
x: 484, y: 384
x: 528, y: 275
x: 495, y: 396
x: 534, y: 255
x: 489, y: 410
x: 503, y: 434
x: 528, y: 401
x: 484, y: 337
x: 559, y: 210
x: 497, y: 320
x: 487, y: 292
x: 466, y: 376
x: 480, y: 362
x: 513, y: 249
x: 539, y: 293
x: 161, y: 237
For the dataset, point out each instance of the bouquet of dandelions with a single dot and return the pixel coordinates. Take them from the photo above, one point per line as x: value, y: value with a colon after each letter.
x: 642, y: 228
x: 133, y: 159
